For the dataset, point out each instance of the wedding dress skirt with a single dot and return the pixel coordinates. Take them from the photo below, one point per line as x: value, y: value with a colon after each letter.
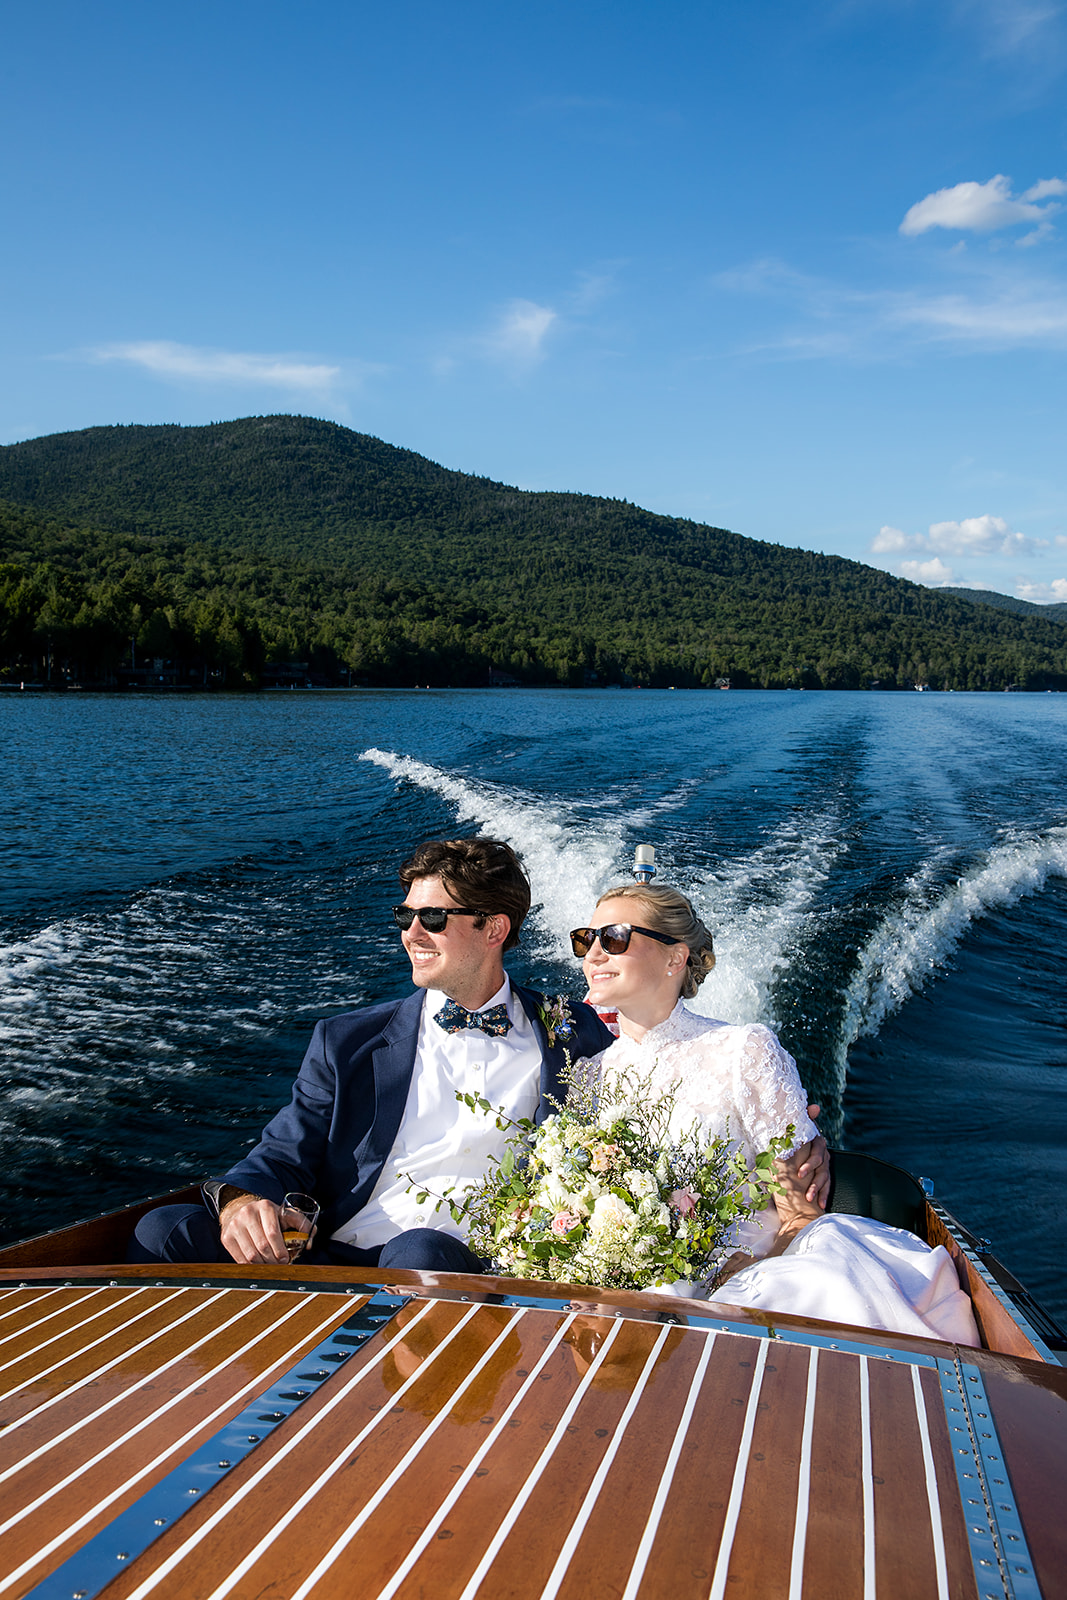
x: 851, y: 1269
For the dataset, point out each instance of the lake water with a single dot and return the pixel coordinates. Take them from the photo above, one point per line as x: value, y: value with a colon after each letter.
x: 189, y: 882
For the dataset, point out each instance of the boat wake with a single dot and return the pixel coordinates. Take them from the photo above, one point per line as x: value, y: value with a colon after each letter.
x: 762, y: 908
x: 759, y: 905
x: 570, y: 859
x: 917, y: 936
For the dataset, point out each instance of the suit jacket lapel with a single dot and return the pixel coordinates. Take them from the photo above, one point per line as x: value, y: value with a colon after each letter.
x: 553, y: 1056
x: 394, y: 1064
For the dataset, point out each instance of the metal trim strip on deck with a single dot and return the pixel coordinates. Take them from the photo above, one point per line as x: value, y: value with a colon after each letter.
x: 994, y: 1528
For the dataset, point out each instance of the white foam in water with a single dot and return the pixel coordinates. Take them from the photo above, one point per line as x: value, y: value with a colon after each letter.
x: 569, y: 861
x: 758, y: 906
x: 917, y: 936
x: 759, y: 909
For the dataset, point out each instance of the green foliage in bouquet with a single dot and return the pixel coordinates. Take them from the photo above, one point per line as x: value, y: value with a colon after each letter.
x: 604, y: 1193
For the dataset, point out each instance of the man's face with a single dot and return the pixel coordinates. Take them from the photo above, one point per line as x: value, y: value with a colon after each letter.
x: 464, y: 961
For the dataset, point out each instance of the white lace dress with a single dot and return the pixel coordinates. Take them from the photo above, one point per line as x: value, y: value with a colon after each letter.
x: 839, y: 1268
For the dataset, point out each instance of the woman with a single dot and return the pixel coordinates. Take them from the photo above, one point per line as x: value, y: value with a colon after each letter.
x: 648, y: 951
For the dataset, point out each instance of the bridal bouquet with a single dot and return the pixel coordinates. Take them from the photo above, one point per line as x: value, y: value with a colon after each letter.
x: 603, y: 1193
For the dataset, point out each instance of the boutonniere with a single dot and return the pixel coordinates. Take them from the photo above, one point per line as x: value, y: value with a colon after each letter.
x: 556, y: 1018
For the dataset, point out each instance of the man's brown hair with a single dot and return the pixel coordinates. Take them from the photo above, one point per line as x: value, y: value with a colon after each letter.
x: 482, y: 874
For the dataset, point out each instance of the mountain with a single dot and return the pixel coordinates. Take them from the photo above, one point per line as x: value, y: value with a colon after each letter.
x: 1020, y: 608
x: 229, y: 549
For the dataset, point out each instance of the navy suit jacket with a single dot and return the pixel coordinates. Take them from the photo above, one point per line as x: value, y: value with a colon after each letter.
x: 334, y: 1136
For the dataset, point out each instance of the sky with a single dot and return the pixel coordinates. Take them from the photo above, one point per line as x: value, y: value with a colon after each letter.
x: 797, y: 268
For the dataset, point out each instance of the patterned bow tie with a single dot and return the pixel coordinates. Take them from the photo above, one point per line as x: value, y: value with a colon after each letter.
x: 454, y: 1018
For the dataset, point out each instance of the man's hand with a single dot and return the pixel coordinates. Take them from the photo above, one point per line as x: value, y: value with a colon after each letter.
x: 251, y: 1232
x: 795, y: 1209
x: 810, y: 1167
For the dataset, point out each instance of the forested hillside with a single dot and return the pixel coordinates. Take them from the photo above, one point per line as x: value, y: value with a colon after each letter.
x: 1022, y: 608
x: 224, y: 552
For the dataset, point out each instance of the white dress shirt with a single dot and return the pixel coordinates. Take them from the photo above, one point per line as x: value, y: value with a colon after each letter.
x: 441, y: 1141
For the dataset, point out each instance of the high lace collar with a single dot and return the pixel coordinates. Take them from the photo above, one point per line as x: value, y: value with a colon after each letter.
x: 680, y: 1025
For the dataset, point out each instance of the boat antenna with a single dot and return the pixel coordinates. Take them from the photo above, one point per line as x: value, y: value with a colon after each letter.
x: 644, y: 863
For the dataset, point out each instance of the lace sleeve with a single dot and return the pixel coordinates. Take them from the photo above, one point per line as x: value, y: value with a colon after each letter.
x: 768, y: 1091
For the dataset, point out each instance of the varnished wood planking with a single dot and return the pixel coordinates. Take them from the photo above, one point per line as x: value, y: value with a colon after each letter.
x: 962, y: 1585
x: 309, y: 1467
x: 554, y: 1493
x: 128, y: 1341
x: 58, y: 1498
x: 761, y: 1558
x: 433, y: 1430
x: 418, y: 1512
x: 688, y: 1532
x: 904, y: 1547
x: 514, y: 1453
x: 833, y: 1549
x: 996, y: 1326
x: 609, y: 1545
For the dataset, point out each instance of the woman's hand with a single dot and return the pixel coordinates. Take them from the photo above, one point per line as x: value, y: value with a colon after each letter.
x: 735, y: 1263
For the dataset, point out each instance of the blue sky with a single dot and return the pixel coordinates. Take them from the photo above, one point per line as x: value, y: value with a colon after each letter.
x: 792, y: 267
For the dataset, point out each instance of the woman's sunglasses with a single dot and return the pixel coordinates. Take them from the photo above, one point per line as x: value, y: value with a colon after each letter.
x: 434, y: 919
x: 614, y: 939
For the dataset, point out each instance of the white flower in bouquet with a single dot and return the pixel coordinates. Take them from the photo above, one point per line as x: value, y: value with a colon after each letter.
x: 612, y: 1219
x: 642, y: 1185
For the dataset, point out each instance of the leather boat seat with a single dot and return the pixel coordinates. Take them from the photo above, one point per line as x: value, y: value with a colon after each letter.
x: 863, y: 1186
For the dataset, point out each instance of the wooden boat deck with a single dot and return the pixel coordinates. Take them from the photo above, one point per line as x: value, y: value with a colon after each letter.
x: 179, y: 1433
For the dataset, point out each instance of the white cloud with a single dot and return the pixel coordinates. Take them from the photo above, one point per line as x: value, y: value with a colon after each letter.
x: 982, y: 207
x: 1015, y: 26
x: 1047, y: 186
x: 184, y: 362
x: 970, y: 537
x: 933, y: 573
x: 1016, y: 313
x: 983, y: 536
x: 521, y: 331
x: 1000, y: 304
x: 1042, y: 594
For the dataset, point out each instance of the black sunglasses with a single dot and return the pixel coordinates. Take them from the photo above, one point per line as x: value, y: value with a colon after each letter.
x: 433, y: 918
x: 614, y: 939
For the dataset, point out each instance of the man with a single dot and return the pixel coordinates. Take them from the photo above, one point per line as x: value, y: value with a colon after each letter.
x: 374, y: 1114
